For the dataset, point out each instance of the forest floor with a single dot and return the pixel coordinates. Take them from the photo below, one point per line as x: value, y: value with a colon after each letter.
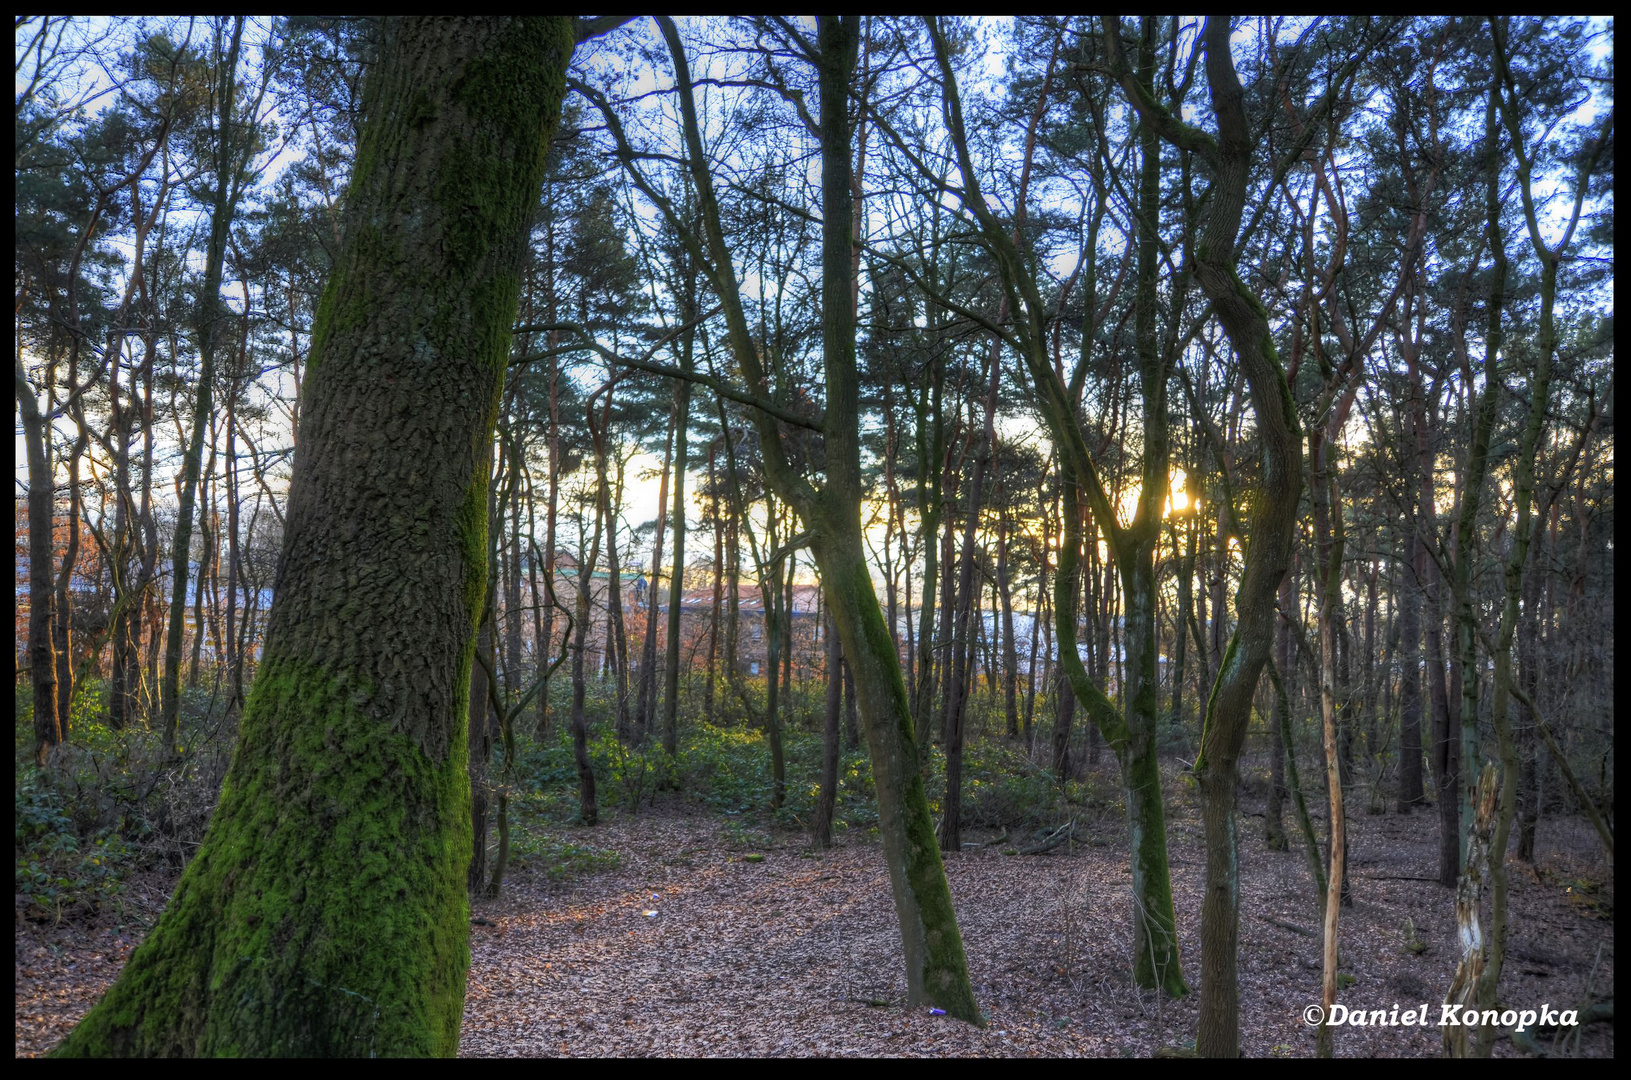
x: 710, y: 937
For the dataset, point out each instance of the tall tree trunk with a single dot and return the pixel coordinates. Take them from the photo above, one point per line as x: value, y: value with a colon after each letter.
x: 719, y: 590
x: 230, y: 159
x: 510, y: 545
x: 828, y: 801
x: 1274, y: 829
x: 1446, y: 757
x: 787, y: 629
x: 936, y: 967
x: 1271, y: 528
x: 1010, y: 648
x: 1039, y: 607
x: 234, y: 656
x: 126, y: 618
x: 646, y: 709
x: 349, y: 780
x: 42, y: 660
x: 1066, y: 586
x: 770, y: 588
x: 951, y: 830
x: 852, y: 731
x: 617, y: 640
x: 1408, y: 621
x: 944, y: 660
x: 676, y: 584
x: 733, y: 583
x: 1550, y: 259
x: 588, y: 806
x: 206, y: 558
x: 552, y: 505
x: 930, y: 449
x: 1330, y: 597
x: 1186, y: 608
x: 63, y: 608
x: 1528, y: 641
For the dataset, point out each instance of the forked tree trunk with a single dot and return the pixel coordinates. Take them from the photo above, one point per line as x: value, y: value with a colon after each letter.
x: 1271, y: 526
x: 325, y: 912
x: 936, y: 968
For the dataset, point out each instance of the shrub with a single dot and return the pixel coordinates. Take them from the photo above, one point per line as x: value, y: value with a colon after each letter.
x: 55, y: 869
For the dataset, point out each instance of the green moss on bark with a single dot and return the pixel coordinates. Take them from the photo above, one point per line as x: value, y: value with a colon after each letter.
x: 325, y: 912
x: 909, y: 840
x: 1156, y: 959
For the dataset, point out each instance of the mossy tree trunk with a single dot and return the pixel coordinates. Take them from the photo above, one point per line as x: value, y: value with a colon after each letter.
x: 1130, y: 729
x: 481, y: 733
x: 936, y: 968
x: 1273, y: 514
x: 1550, y: 258
x: 325, y: 912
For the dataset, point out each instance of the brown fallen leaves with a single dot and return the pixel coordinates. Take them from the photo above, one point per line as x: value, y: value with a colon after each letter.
x: 687, y: 949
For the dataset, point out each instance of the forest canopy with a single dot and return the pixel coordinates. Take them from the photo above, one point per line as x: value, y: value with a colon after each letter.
x: 442, y: 439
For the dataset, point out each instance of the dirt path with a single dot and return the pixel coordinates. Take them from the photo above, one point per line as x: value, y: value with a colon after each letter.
x: 690, y: 947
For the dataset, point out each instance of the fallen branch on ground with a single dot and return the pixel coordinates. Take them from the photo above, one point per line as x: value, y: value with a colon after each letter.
x: 1062, y: 835
x: 1293, y: 927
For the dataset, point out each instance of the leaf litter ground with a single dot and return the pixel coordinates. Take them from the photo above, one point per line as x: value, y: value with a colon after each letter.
x: 692, y: 947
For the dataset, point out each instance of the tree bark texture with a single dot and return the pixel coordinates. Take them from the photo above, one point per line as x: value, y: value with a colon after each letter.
x: 325, y: 912
x: 42, y: 660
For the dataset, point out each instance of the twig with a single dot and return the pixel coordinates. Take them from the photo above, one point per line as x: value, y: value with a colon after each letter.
x: 1293, y: 927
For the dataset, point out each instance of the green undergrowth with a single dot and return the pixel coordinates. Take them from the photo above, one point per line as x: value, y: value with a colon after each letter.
x: 115, y: 802
x: 726, y: 768
x: 110, y: 803
x: 539, y: 843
